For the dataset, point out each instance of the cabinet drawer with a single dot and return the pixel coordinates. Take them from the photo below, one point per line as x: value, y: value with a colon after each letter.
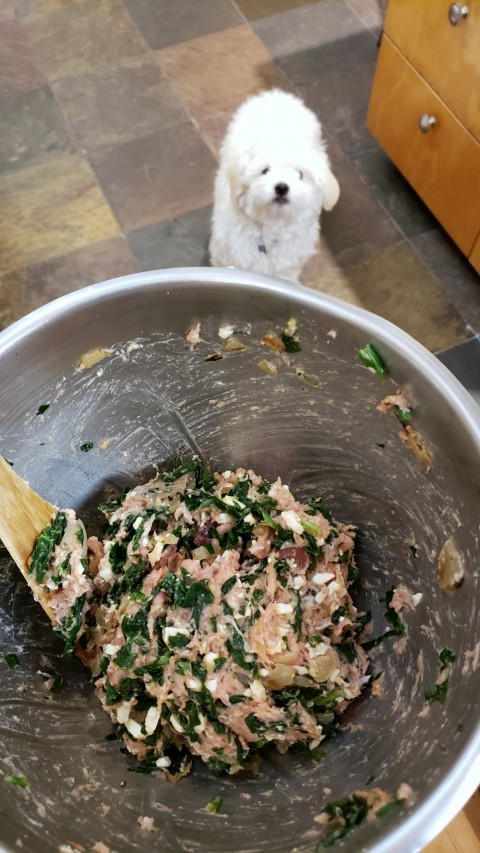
x: 447, y: 56
x: 442, y: 165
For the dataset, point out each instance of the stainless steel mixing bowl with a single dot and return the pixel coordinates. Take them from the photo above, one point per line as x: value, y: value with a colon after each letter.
x: 153, y: 397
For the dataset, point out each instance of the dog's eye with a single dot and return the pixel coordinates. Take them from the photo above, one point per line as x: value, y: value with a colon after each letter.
x: 266, y: 170
x: 300, y: 174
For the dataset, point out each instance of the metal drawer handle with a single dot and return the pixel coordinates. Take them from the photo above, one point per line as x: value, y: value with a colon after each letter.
x: 426, y: 123
x: 457, y: 13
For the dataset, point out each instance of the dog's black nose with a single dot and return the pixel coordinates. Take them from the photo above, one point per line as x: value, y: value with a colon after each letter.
x: 281, y: 189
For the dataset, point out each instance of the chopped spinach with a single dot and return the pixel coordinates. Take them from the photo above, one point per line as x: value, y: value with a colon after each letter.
x: 298, y: 616
x: 42, y: 409
x: 290, y: 343
x: 398, y: 626
x: 338, y: 613
x: 72, y: 624
x: 403, y: 415
x: 446, y: 656
x: 155, y: 669
x: 439, y: 693
x: 229, y: 584
x: 389, y: 807
x: 44, y: 546
x: 86, y: 446
x: 125, y: 658
x: 197, y: 596
x: 12, y: 660
x: 236, y: 648
x: 347, y: 813
x: 214, y: 806
x: 55, y: 677
x: 371, y: 359
x: 254, y: 724
x: 18, y: 781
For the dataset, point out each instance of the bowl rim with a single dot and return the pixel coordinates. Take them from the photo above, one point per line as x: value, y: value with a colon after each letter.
x: 453, y: 791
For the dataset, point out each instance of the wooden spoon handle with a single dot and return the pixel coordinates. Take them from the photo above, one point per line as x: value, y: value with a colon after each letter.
x: 23, y: 516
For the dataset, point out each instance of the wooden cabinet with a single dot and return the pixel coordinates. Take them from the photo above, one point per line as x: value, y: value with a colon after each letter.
x: 425, y: 109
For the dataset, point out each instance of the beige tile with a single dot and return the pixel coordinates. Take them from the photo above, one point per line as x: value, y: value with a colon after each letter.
x: 394, y: 284
x: 157, y: 177
x: 70, y: 38
x: 212, y: 75
x: 12, y: 297
x: 96, y: 262
x: 212, y: 129
x: 49, y: 210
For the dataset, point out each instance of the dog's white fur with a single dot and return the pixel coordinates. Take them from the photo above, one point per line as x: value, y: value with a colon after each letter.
x: 273, y: 139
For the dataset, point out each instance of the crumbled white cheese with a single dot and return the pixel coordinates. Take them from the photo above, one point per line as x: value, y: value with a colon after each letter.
x: 321, y: 596
x: 134, y: 729
x: 298, y: 582
x: 323, y: 577
x: 209, y: 660
x: 211, y: 684
x: 123, y: 713
x: 163, y: 762
x: 111, y: 649
x: 152, y: 718
x: 292, y: 520
x: 193, y: 684
x: 284, y: 608
x: 258, y: 691
x: 417, y: 597
x: 136, y: 524
x: 176, y: 724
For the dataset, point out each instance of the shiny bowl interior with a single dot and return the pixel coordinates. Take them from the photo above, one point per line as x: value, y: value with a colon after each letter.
x: 154, y: 398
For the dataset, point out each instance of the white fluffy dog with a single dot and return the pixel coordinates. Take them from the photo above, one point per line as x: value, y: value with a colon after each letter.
x: 273, y: 180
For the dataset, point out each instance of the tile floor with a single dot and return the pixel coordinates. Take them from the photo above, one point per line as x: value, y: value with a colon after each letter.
x: 112, y: 112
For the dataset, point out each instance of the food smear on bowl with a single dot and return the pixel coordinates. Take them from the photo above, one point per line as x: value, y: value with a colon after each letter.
x: 214, y: 615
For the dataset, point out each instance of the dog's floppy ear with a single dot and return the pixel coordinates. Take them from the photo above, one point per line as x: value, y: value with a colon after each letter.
x: 331, y: 189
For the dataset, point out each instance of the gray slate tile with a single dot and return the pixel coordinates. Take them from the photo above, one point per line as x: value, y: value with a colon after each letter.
x: 340, y: 99
x: 457, y: 278
x: 165, y: 22
x: 179, y: 242
x: 394, y: 193
x: 312, y: 39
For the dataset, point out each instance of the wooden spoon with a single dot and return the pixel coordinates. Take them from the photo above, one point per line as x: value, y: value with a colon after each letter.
x: 23, y: 516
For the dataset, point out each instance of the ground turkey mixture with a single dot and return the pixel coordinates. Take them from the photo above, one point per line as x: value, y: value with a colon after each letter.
x: 215, y: 616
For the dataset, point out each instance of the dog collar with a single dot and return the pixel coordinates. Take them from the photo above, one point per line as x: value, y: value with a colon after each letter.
x: 262, y: 248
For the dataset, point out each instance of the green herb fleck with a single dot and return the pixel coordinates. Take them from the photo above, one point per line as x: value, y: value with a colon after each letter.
x: 298, y: 616
x: 404, y: 416
x: 398, y: 626
x: 71, y: 624
x: 228, y: 585
x: 347, y: 814
x: 371, y: 359
x: 389, y: 807
x: 42, y: 409
x: 197, y: 596
x: 317, y: 755
x: 19, y: 781
x: 86, y: 446
x: 12, y: 660
x: 446, y: 656
x: 214, y: 806
x: 439, y: 693
x: 290, y: 343
x: 50, y: 674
